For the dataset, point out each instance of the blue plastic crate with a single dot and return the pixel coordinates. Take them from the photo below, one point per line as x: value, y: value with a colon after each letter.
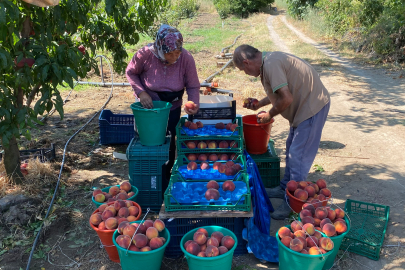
x: 145, y: 172
x: 116, y: 128
x: 180, y: 226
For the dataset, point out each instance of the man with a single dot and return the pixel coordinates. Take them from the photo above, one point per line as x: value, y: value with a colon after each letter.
x: 296, y: 92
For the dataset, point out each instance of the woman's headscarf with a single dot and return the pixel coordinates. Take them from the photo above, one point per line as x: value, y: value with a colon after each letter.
x: 168, y: 39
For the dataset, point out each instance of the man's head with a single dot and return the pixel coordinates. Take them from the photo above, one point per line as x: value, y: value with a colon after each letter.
x: 248, y: 59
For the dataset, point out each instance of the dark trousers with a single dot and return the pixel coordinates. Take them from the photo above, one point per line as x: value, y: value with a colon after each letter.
x: 174, y: 118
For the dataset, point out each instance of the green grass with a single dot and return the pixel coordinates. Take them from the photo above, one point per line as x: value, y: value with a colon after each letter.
x: 78, y: 88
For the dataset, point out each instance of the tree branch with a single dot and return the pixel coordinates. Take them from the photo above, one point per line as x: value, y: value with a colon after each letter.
x: 31, y: 96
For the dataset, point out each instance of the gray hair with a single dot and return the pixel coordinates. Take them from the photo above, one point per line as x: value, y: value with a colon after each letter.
x: 244, y: 52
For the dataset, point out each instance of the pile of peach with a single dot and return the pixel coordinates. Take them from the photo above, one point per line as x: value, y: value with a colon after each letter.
x: 145, y: 239
x: 308, y: 191
x: 330, y: 222
x: 211, y: 157
x: 228, y: 168
x: 305, y: 239
x: 220, y: 125
x: 211, y: 144
x: 115, y: 193
x: 213, y: 186
x: 109, y: 216
x: 204, y: 246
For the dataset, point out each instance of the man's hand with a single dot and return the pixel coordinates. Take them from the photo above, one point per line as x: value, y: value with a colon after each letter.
x: 263, y: 117
x: 192, y: 111
x: 254, y: 105
x: 145, y: 100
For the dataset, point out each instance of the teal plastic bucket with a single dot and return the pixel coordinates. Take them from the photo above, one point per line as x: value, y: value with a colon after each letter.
x: 292, y: 260
x: 150, y: 260
x: 221, y: 262
x: 132, y: 198
x: 151, y: 123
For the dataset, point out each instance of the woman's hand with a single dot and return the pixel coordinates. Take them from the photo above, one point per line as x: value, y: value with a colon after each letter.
x: 192, y: 111
x: 145, y: 100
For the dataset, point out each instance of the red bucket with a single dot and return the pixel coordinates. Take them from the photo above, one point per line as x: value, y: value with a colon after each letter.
x: 256, y: 135
x: 296, y: 204
x: 106, y: 236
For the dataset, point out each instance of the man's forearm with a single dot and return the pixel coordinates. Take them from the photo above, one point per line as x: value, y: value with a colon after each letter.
x: 265, y: 101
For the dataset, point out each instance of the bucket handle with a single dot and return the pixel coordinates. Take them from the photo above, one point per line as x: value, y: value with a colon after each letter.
x: 147, y: 211
x: 271, y: 122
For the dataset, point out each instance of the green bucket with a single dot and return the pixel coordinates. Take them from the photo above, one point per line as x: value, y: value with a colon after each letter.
x: 151, y: 124
x: 132, y: 198
x: 150, y: 260
x: 292, y: 260
x: 221, y: 262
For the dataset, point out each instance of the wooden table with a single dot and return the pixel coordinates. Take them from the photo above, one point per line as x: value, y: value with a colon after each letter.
x: 203, y: 214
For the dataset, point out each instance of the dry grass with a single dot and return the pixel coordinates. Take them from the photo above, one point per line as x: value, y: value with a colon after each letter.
x: 206, y: 6
x: 39, y: 174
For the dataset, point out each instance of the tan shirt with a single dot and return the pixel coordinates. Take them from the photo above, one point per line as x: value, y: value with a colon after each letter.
x: 309, y: 94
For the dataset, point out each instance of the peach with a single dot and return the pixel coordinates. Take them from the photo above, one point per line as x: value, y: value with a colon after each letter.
x: 146, y: 249
x: 314, y: 251
x: 222, y: 250
x: 192, y: 157
x: 304, y: 251
x: 325, y: 221
x: 232, y: 156
x: 301, y: 194
x: 309, y: 228
x: 340, y: 219
x: 123, y: 241
x: 292, y: 186
x: 155, y: 243
x: 212, y: 241
x: 129, y: 230
x: 321, y: 198
x: 199, y: 124
x: 222, y: 168
x: 212, y: 184
x: 322, y: 250
x: 120, y: 220
x: 283, y: 231
x: 193, y: 248
x: 218, y: 236
x: 212, y: 194
x: 191, y: 145
x: 331, y: 214
x: 326, y: 192
x: 228, y: 186
x: 133, y: 211
x: 321, y: 213
x: 211, y: 251
x: 193, y: 126
x: 216, y: 165
x: 199, y: 238
x: 312, y: 241
x: 223, y: 157
x: 106, y: 215
x: 296, y: 225
x: 228, y: 126
x: 286, y: 241
x: 326, y: 243
x: 302, y: 239
x: 315, y: 186
x: 310, y: 190
x: 233, y: 144
x: 140, y: 240
x: 212, y: 144
x: 187, y: 124
x: 121, y: 227
x: 305, y: 213
x: 131, y: 218
x: 213, y: 157
x: 102, y: 207
x: 307, y: 219
x: 229, y: 163
x: 300, y: 233
x: 309, y: 207
x: 204, y: 231
x: 163, y: 239
x: 316, y: 203
x: 203, y: 247
x: 102, y: 226
x: 132, y: 247
x: 148, y: 223
x: 190, y: 105
x: 113, y: 191
x: 223, y: 144
x: 296, y: 245
x: 317, y: 222
x: 228, y: 242
x: 321, y: 183
x: 237, y: 167
x: 95, y: 219
x: 317, y: 234
x: 340, y: 213
x: 329, y: 229
x: 99, y: 198
x: 152, y: 232
x: 119, y: 204
x: 201, y: 254
x: 159, y: 225
x: 318, y: 229
x: 130, y: 194
x: 204, y: 165
x: 192, y: 166
x: 340, y: 227
x: 126, y: 186
x: 97, y: 191
x: 202, y: 157
x: 220, y: 125
x: 233, y: 128
x: 111, y: 223
x: 123, y: 212
x: 302, y: 184
x: 108, y: 196
x: 122, y: 196
x: 186, y: 243
x: 229, y: 171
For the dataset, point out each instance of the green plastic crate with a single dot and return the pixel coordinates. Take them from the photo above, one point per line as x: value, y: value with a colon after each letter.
x: 368, y: 226
x: 181, y: 145
x: 269, y: 166
x: 238, y: 133
x: 176, y: 206
x: 145, y: 172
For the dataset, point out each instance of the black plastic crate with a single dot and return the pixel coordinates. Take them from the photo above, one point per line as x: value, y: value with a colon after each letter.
x: 269, y: 166
x: 116, y: 128
x: 43, y: 154
x: 146, y: 165
x: 180, y: 226
x: 215, y: 113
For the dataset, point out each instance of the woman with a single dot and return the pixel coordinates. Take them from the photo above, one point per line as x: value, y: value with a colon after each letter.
x: 162, y: 71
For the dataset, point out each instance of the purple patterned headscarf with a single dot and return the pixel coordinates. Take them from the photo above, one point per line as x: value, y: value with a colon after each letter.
x: 168, y: 39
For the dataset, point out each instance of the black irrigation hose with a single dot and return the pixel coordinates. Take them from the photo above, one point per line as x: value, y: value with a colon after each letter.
x: 63, y: 162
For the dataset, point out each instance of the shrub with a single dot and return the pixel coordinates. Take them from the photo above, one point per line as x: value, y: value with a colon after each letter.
x: 298, y: 8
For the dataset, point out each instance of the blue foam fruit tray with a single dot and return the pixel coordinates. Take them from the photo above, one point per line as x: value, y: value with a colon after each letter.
x: 207, y: 130
x: 206, y: 174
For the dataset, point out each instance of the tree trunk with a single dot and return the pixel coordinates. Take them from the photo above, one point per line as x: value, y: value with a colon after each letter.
x: 11, y: 159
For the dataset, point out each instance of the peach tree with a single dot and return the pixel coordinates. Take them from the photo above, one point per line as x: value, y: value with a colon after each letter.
x: 41, y: 48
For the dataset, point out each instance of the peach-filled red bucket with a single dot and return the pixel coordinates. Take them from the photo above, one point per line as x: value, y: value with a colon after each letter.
x: 256, y: 135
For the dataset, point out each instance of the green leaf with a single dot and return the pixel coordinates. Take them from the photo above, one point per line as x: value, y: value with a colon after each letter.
x: 41, y: 60
x: 72, y: 72
x: 3, y: 60
x: 56, y: 71
x: 59, y: 106
x: 45, y: 71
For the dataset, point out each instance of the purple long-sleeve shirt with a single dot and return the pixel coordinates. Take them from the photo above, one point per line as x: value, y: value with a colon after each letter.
x: 145, y: 72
